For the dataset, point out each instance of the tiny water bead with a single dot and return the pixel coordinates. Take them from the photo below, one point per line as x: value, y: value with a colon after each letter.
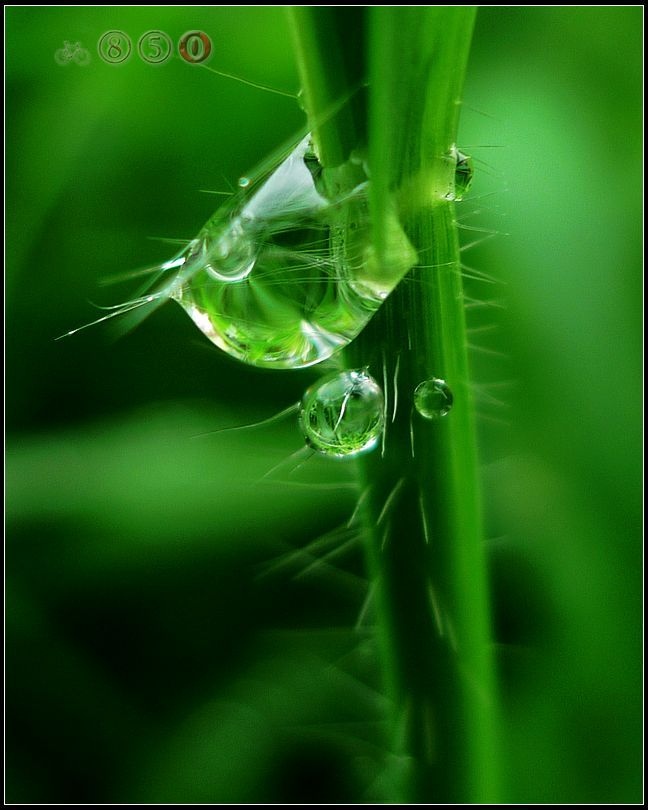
x: 433, y: 399
x: 463, y: 174
x: 285, y: 275
x: 343, y: 414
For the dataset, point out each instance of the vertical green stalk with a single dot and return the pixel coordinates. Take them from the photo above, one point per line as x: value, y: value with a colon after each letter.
x: 329, y: 49
x: 425, y: 545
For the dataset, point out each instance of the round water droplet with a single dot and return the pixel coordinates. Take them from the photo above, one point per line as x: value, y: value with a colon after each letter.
x: 343, y: 415
x: 244, y: 182
x: 433, y: 399
x: 285, y: 275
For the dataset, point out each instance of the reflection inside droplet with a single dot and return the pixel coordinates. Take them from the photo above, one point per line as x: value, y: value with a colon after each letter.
x: 463, y: 174
x: 433, y: 399
x: 342, y: 415
x: 286, y: 276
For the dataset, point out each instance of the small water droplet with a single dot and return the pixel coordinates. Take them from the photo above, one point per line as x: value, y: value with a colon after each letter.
x: 463, y: 175
x: 343, y: 415
x: 244, y: 182
x: 433, y: 399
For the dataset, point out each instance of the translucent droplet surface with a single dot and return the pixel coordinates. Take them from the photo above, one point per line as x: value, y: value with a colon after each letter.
x: 433, y: 399
x: 462, y: 175
x: 343, y: 414
x: 286, y: 275
x: 464, y: 172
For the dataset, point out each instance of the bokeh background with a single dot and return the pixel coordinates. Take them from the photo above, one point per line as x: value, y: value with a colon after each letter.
x: 163, y: 644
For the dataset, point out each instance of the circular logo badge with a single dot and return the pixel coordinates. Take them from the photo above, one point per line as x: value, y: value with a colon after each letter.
x: 195, y: 47
x: 155, y: 47
x: 114, y: 47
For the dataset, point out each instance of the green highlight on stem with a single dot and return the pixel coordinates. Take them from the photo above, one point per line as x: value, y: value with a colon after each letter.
x: 425, y: 547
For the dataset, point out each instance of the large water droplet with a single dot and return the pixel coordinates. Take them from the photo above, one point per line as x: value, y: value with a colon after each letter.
x: 433, y: 399
x: 286, y: 275
x: 343, y: 414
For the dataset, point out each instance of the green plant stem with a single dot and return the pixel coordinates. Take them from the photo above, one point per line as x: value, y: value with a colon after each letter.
x: 330, y: 57
x: 425, y: 546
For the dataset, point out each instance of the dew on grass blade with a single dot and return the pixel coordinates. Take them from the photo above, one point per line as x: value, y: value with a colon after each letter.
x: 433, y: 399
x: 463, y: 174
x: 342, y: 415
x: 285, y: 276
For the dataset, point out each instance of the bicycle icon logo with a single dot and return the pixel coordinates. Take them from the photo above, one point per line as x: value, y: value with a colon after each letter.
x: 154, y: 47
x: 72, y: 52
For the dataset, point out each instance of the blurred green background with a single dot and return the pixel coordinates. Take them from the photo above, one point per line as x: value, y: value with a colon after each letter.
x: 161, y: 646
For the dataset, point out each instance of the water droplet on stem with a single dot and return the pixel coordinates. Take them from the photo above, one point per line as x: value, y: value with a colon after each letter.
x: 283, y: 277
x: 463, y: 174
x: 342, y: 415
x: 433, y: 399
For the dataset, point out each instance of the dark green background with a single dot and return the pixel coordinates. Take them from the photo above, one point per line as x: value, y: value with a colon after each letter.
x: 150, y: 656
